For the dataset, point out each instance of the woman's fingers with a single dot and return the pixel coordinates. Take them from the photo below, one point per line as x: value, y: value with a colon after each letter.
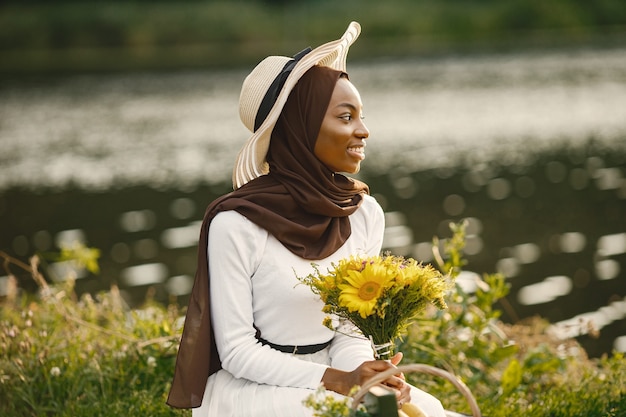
x: 395, y: 359
x: 395, y: 382
x: 401, y: 389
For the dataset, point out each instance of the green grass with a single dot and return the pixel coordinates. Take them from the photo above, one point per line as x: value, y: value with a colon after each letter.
x: 93, y: 356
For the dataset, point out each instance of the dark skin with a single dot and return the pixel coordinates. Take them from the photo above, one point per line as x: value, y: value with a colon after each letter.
x: 342, y: 381
x: 340, y: 144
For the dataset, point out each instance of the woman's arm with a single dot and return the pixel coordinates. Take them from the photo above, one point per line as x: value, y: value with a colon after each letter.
x: 235, y: 247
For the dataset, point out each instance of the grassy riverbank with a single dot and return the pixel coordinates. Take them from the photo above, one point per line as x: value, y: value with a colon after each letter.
x: 67, y: 356
x: 39, y: 37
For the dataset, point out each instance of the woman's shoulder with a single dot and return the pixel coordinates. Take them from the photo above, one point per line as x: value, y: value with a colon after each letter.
x: 369, y: 211
x: 230, y: 216
x: 231, y: 221
x: 371, y: 205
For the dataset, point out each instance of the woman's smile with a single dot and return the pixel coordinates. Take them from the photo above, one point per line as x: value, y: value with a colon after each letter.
x: 358, y: 151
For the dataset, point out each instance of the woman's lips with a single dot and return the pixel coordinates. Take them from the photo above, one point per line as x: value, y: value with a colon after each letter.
x: 357, y: 152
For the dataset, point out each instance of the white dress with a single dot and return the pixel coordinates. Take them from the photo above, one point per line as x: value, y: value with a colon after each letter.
x: 254, y: 284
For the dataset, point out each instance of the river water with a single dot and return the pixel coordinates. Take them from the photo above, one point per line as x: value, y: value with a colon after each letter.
x: 530, y: 147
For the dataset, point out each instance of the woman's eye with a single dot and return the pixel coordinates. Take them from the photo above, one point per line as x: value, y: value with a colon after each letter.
x: 346, y: 117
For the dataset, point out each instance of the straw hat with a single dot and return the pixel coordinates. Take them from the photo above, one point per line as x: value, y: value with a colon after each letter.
x: 265, y: 91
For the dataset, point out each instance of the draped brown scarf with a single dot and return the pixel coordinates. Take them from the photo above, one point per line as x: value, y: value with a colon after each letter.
x: 300, y: 202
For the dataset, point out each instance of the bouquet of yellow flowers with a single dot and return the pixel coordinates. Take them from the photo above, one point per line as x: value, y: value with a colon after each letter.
x: 380, y: 295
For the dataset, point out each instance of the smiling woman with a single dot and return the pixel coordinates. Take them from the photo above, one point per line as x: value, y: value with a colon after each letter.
x: 254, y: 343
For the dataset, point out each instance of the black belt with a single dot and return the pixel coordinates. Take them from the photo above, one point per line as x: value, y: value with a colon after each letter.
x: 296, y: 350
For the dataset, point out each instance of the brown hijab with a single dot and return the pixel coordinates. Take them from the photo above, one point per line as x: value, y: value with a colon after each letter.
x: 300, y: 202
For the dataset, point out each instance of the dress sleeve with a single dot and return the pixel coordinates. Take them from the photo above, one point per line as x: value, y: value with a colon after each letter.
x: 349, y: 349
x: 234, y: 249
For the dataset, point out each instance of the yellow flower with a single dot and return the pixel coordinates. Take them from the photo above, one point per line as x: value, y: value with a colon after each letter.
x: 361, y: 290
x: 346, y: 265
x: 328, y: 282
x: 328, y: 322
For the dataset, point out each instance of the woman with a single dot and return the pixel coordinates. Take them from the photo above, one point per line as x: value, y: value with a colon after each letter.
x: 254, y: 343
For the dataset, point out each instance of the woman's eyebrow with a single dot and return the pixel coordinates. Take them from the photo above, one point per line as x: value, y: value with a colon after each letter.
x: 349, y: 105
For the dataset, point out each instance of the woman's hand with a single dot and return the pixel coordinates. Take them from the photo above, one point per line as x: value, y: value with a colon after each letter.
x: 402, y: 389
x: 342, y: 382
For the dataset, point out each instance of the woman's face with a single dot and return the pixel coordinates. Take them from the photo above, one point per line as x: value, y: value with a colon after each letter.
x: 340, y: 144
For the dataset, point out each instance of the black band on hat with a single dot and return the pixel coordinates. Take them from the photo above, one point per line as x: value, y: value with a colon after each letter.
x: 271, y: 95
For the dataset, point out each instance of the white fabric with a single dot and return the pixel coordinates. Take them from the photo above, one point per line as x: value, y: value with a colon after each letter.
x: 254, y: 283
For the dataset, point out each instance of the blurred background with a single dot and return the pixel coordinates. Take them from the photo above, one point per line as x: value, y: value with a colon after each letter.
x: 119, y: 124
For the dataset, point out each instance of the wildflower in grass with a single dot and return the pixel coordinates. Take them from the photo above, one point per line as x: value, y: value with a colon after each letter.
x: 324, y: 404
x: 55, y: 371
x: 83, y: 256
x: 151, y: 362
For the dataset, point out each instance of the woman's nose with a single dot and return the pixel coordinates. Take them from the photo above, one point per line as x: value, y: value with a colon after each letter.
x: 362, y: 131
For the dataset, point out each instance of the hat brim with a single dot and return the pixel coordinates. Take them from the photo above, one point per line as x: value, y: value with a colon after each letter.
x: 250, y: 162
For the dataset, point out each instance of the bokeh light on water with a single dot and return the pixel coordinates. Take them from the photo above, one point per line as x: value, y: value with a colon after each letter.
x: 179, y: 129
x: 530, y: 148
